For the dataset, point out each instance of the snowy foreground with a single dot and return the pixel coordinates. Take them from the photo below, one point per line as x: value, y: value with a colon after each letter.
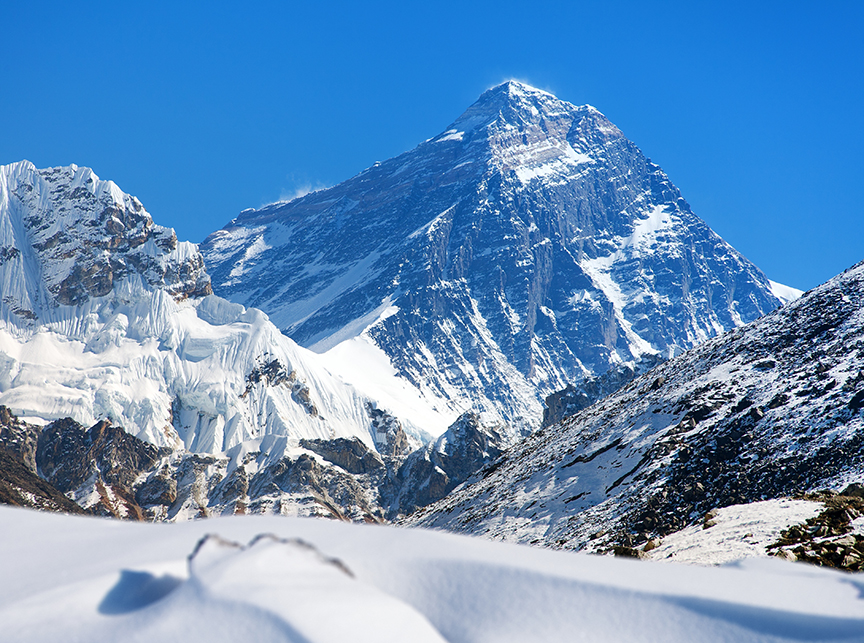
x: 83, y: 579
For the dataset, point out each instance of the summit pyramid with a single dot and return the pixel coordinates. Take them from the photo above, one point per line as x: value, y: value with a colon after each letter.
x: 526, y: 247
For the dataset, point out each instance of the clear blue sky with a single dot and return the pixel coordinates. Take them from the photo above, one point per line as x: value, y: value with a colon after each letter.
x: 754, y: 109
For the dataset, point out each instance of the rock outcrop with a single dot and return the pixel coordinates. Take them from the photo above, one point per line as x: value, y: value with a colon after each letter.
x: 109, y: 472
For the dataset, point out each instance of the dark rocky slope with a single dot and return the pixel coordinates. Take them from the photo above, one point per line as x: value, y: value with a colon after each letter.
x: 772, y: 409
x: 109, y: 472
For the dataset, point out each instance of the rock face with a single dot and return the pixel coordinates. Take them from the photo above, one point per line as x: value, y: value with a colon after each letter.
x: 433, y: 471
x: 20, y: 487
x: 527, y: 246
x: 19, y: 483
x: 828, y: 539
x: 99, y: 466
x: 106, y: 471
x: 768, y: 410
x: 67, y: 237
x: 574, y: 398
x: 106, y: 316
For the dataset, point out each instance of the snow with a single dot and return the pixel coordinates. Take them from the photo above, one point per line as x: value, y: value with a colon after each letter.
x: 361, y: 363
x: 784, y: 293
x: 740, y: 531
x: 527, y: 170
x: 86, y: 579
x: 152, y: 354
x: 296, y: 312
x: 450, y: 135
x: 139, y: 361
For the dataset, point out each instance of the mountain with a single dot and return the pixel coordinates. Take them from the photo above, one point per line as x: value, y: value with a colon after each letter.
x: 105, y: 471
x: 528, y: 246
x: 769, y: 410
x: 130, y: 388
x: 106, y: 316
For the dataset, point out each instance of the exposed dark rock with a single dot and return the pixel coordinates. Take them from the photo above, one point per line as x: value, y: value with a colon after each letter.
x: 68, y: 454
x: 104, y: 456
x: 390, y: 437
x: 574, y: 398
x: 350, y: 454
x: 330, y: 488
x: 273, y: 373
x: 21, y: 487
x: 160, y: 488
x: 431, y: 472
x: 826, y: 540
x: 112, y: 473
x: 93, y: 236
x: 19, y: 438
x: 628, y: 552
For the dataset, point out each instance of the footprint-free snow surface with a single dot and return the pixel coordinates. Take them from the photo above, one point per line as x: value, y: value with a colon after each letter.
x: 270, y: 579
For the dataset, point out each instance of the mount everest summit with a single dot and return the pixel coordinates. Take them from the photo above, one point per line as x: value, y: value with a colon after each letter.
x: 528, y: 246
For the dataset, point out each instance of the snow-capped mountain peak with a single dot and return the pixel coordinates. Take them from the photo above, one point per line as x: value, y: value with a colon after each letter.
x: 527, y: 246
x: 105, y: 315
x: 67, y: 237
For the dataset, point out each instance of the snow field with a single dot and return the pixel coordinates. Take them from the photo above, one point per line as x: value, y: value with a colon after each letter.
x: 85, y: 579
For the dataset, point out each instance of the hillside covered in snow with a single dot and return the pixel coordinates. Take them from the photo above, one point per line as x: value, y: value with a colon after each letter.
x: 769, y: 410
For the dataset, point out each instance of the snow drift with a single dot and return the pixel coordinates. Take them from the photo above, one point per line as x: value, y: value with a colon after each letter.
x: 67, y: 578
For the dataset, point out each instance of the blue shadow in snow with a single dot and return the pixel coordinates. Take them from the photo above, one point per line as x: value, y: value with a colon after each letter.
x: 136, y: 590
x: 791, y: 626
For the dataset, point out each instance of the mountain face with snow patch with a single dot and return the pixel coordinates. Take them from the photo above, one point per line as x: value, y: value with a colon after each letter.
x: 527, y: 246
x: 108, y: 472
x: 106, y: 316
x: 768, y: 410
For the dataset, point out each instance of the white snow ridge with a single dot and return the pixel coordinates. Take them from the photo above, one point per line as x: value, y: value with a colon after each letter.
x: 105, y: 315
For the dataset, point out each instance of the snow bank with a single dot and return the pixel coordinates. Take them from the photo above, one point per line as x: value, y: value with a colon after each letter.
x: 66, y: 578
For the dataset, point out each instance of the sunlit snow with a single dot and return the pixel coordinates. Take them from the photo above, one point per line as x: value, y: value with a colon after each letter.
x: 311, y: 581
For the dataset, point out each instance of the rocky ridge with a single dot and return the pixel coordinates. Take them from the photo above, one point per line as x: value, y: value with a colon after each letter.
x: 67, y: 237
x: 106, y: 316
x: 109, y: 472
x: 769, y: 410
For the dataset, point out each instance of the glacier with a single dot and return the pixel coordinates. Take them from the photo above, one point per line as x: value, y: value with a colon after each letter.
x: 106, y: 316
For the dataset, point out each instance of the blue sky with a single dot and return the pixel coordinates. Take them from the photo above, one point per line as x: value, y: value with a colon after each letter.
x: 754, y: 109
